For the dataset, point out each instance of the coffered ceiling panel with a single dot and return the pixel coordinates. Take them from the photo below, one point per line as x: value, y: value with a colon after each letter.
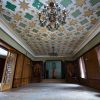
x: 22, y: 17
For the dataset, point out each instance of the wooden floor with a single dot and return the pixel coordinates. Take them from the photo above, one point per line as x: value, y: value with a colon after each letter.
x: 51, y: 91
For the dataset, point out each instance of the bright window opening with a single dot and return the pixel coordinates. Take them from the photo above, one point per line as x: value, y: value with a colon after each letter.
x: 3, y: 52
x: 98, y: 53
x: 82, y: 67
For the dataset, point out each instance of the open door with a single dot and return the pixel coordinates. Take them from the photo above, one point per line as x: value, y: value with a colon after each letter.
x: 3, y: 56
x: 8, y: 73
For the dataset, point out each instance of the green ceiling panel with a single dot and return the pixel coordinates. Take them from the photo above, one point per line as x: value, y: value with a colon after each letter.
x: 84, y: 21
x: 88, y: 28
x: 37, y: 4
x: 93, y: 2
x: 34, y: 30
x: 10, y: 6
x: 45, y: 35
x: 18, y: 31
x: 70, y: 29
x: 22, y: 16
x: 98, y: 13
x: 28, y: 16
x: 76, y: 13
x: 52, y: 38
x: 61, y: 34
x: 22, y: 25
x: 77, y: 33
x: 7, y: 17
x: 65, y: 3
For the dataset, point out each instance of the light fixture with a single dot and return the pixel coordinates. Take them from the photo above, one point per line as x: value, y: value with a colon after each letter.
x: 53, y: 53
x: 52, y: 16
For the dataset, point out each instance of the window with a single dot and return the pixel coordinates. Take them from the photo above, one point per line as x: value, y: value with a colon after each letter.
x: 3, y: 52
x: 98, y: 53
x: 82, y: 67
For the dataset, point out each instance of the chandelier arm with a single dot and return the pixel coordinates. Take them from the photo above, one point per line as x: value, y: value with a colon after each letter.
x: 52, y: 16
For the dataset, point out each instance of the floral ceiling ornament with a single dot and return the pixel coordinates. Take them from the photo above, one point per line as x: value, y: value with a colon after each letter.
x: 52, y: 16
x: 17, y: 17
x: 24, y: 5
x: 81, y: 17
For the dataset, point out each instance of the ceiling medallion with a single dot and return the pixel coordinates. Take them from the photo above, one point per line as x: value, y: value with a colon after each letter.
x: 52, y: 16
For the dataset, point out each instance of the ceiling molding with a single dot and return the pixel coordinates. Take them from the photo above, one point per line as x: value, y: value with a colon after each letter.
x: 50, y: 58
x: 10, y: 32
x: 20, y: 22
x: 95, y: 30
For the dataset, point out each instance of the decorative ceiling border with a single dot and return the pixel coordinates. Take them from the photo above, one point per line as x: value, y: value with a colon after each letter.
x: 95, y: 30
x: 10, y: 32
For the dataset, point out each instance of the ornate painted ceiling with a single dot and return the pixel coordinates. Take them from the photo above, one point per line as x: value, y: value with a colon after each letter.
x: 22, y: 17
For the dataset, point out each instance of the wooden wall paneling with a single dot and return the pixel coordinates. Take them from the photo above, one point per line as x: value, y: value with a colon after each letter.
x: 23, y: 70
x: 30, y: 71
x: 92, y: 65
x: 18, y: 71
x: 70, y: 71
x: 92, y: 70
x: 37, y: 71
x: 26, y: 74
x: 23, y: 82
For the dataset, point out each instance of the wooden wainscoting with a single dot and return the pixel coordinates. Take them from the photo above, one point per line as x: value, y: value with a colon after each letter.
x: 94, y: 83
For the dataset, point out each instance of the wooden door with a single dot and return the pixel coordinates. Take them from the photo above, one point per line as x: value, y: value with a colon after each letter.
x: 37, y: 66
x: 8, y: 73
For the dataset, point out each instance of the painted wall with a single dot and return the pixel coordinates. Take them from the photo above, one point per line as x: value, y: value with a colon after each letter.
x: 56, y: 65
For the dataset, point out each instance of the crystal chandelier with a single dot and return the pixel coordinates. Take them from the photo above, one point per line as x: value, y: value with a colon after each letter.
x: 52, y: 16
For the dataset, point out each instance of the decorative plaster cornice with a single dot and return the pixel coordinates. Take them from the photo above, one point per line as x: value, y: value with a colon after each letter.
x: 95, y: 30
x: 10, y: 32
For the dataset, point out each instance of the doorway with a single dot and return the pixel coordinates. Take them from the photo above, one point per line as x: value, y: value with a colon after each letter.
x: 53, y: 70
x: 3, y: 55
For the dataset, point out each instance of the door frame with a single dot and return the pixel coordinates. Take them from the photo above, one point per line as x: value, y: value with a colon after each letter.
x: 4, y: 84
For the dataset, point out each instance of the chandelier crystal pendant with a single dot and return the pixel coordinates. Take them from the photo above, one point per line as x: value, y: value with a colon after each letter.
x: 52, y: 16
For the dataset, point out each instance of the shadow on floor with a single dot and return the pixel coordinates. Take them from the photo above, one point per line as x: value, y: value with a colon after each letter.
x: 60, y: 87
x: 97, y: 95
x: 79, y: 88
